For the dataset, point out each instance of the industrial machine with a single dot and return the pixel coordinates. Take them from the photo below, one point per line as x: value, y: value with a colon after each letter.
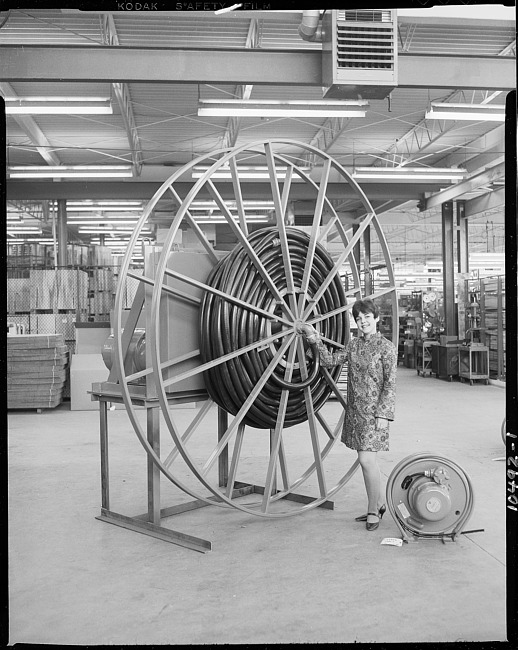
x: 220, y: 331
x: 429, y: 497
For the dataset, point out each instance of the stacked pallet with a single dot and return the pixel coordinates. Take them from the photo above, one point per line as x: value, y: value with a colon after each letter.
x: 36, y: 370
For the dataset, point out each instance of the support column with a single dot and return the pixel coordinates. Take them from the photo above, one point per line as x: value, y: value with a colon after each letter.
x: 448, y: 276
x: 102, y: 239
x: 62, y: 232
x: 462, y: 238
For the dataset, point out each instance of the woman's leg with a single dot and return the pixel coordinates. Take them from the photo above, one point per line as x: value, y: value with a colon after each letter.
x: 371, y: 476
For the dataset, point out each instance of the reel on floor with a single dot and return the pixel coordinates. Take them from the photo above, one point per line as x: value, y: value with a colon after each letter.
x: 429, y: 497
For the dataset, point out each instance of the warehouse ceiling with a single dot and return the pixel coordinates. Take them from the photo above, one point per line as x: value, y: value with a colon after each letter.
x: 155, y: 67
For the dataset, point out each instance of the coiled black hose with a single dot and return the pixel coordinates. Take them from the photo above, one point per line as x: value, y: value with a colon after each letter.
x: 226, y: 327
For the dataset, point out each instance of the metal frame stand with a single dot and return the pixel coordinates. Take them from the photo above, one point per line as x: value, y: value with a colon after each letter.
x: 423, y: 357
x: 149, y: 523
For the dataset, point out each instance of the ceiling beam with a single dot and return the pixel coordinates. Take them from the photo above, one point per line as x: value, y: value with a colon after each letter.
x: 39, y: 190
x: 493, y: 142
x: 246, y: 66
x: 32, y: 130
x: 326, y: 135
x: 243, y: 91
x: 121, y: 92
x: 456, y: 191
x: 490, y: 201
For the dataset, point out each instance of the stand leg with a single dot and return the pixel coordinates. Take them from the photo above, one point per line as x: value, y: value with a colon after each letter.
x: 274, y: 480
x: 105, y: 472
x: 153, y: 473
x: 223, y: 457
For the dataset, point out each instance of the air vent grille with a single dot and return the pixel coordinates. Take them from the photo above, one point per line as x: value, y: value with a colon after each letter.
x: 365, y: 15
x: 365, y: 47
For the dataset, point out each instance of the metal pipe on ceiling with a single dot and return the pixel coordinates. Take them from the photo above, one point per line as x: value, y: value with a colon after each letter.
x: 309, y: 28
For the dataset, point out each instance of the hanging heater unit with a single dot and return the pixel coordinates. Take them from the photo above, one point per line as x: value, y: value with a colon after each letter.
x: 359, y: 53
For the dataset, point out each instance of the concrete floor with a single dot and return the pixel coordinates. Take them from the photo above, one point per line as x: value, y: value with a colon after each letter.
x: 317, y: 577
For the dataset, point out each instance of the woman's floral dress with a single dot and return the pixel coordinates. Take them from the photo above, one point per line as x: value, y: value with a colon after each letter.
x: 371, y: 389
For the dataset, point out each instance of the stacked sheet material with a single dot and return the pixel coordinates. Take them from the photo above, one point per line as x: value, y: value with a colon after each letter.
x: 36, y: 370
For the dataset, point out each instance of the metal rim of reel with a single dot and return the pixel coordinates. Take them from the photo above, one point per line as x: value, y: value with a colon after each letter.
x: 422, y: 461
x: 228, y: 157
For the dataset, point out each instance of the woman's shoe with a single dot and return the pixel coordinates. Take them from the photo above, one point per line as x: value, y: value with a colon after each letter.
x: 373, y: 525
x: 380, y: 514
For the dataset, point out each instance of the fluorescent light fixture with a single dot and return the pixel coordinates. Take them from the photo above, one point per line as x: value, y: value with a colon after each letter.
x: 70, y: 171
x: 97, y: 208
x: 107, y: 231
x: 74, y: 206
x: 221, y: 219
x: 279, y: 108
x: 116, y: 244
x: 93, y: 221
x: 39, y: 240
x: 473, y: 112
x: 58, y: 106
x: 21, y: 227
x: 246, y: 172
x: 97, y: 203
x: 248, y: 204
x: 409, y: 173
x: 18, y: 231
x: 88, y: 204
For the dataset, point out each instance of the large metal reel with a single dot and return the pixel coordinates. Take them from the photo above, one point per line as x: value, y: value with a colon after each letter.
x: 267, y: 318
x: 429, y: 497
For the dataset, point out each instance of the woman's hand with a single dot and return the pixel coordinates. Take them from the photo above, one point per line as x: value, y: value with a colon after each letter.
x: 309, y: 332
x: 381, y: 423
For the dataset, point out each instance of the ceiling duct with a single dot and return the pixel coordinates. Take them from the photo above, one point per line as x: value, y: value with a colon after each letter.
x: 359, y: 53
x: 309, y: 28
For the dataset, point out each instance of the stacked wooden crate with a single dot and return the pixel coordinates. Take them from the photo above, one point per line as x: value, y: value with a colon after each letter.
x: 36, y: 370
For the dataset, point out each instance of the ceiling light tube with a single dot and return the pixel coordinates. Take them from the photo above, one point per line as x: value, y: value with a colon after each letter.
x: 100, y: 208
x: 109, y: 231
x: 93, y: 221
x: 40, y: 240
x: 247, y: 203
x: 13, y: 228
x: 473, y: 112
x: 70, y: 171
x: 409, y: 173
x: 58, y: 106
x: 90, y: 205
x: 247, y: 172
x: 277, y: 108
x: 208, y: 220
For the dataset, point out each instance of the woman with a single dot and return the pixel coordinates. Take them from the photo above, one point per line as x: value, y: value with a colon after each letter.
x: 371, y: 383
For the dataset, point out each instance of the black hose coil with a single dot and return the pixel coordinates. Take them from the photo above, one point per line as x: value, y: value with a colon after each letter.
x: 226, y: 327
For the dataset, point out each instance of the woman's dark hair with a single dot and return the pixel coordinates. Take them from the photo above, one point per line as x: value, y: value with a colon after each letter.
x: 365, y: 306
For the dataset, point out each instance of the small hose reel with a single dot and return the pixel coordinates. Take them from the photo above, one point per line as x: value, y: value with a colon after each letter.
x: 429, y: 497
